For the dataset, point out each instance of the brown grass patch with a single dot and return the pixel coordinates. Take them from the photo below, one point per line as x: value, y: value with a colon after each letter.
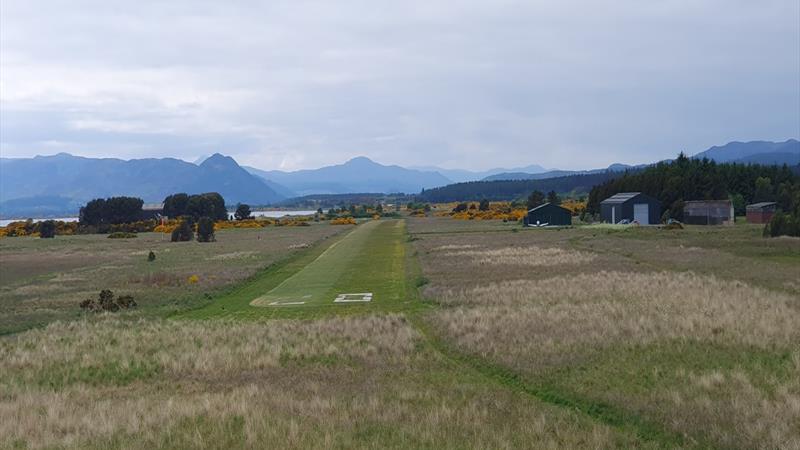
x: 345, y: 382
x: 548, y: 316
x: 525, y: 256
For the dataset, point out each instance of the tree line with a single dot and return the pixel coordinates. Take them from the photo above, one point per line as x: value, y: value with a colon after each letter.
x: 198, y: 211
x: 506, y: 190
x: 684, y: 179
x: 210, y: 204
x: 111, y: 211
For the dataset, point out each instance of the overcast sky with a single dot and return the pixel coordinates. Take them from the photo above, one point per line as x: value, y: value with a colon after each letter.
x: 459, y: 84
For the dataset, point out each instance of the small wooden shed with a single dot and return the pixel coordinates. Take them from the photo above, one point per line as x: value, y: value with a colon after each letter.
x: 761, y: 212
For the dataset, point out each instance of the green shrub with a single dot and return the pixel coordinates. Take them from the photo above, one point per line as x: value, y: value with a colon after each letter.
x: 783, y: 224
x: 47, y: 229
x: 151, y: 256
x: 182, y: 233
x: 205, y: 230
x: 106, y: 302
x: 242, y: 212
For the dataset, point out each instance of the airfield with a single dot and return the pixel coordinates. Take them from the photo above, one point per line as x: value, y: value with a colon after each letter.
x: 424, y: 332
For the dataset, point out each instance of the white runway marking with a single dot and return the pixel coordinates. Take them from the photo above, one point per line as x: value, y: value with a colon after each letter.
x: 286, y: 303
x: 354, y: 298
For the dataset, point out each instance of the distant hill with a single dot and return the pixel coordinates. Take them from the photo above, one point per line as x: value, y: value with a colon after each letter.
x: 39, y: 206
x: 460, y: 176
x: 513, y: 189
x: 282, y: 190
x: 78, y: 179
x: 772, y: 158
x: 356, y: 175
x: 326, y: 201
x: 761, y: 152
x: 555, y: 173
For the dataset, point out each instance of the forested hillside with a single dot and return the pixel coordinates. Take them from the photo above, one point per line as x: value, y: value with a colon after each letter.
x: 702, y: 179
x: 513, y: 189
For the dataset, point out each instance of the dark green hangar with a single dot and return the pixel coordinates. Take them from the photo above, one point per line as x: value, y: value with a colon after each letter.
x: 549, y: 214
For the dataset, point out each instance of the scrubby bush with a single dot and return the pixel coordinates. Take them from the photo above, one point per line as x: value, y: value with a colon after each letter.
x: 140, y: 226
x: 242, y: 211
x: 205, y: 230
x: 182, y: 233
x: 105, y: 301
x: 783, y: 224
x: 151, y: 256
x: 461, y: 207
x: 122, y: 235
x: 47, y: 229
x: 484, y: 205
x: 343, y: 221
x: 673, y: 225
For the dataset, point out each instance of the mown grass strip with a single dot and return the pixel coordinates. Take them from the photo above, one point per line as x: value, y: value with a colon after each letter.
x: 314, y: 284
x: 238, y: 297
x: 376, y: 264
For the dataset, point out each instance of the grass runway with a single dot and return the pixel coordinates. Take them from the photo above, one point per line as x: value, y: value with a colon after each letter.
x: 370, y: 258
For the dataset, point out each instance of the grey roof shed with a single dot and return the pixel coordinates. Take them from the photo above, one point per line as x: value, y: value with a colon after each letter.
x: 631, y: 206
x: 550, y: 214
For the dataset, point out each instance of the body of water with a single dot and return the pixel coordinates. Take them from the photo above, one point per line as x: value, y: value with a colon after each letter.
x: 5, y: 222
x: 277, y: 214
x: 271, y: 214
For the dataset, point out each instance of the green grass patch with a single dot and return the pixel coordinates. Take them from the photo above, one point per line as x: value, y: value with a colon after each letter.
x: 110, y: 373
x: 370, y: 258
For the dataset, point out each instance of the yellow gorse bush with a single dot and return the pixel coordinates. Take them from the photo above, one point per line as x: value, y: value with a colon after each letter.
x: 25, y: 228
x: 343, y: 221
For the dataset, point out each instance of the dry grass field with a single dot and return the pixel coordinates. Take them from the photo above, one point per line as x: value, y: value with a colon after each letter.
x: 694, y: 331
x: 586, y: 337
x: 44, y: 279
x: 347, y: 382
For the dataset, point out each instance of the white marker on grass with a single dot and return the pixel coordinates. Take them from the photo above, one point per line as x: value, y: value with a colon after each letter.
x: 362, y: 297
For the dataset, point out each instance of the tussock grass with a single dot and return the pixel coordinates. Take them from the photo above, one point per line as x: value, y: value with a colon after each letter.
x: 597, y: 310
x: 571, y: 331
x: 114, y: 351
x: 346, y: 382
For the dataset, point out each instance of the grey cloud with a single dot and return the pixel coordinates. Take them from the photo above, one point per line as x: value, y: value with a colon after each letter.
x: 297, y: 84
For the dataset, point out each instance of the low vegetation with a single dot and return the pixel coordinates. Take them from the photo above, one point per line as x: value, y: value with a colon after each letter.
x: 122, y: 235
x: 584, y: 337
x: 42, y: 280
x: 692, y: 331
x: 106, y: 302
x: 343, y: 221
x: 343, y: 382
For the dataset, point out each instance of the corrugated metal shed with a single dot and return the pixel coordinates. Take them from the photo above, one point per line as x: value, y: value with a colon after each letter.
x: 549, y: 214
x: 708, y: 212
x: 631, y: 206
x: 622, y: 197
x: 762, y: 205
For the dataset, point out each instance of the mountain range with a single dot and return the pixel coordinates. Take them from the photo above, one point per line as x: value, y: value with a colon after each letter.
x: 59, y: 184
x: 56, y: 183
x: 356, y: 175
x: 755, y: 152
x: 460, y: 175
